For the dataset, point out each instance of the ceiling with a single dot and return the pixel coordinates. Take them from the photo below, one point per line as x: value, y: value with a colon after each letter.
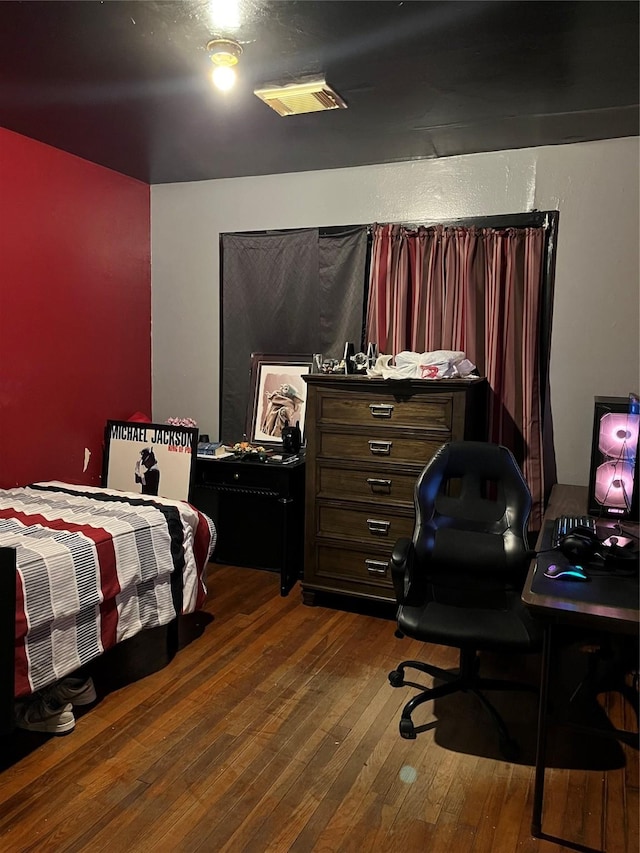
x: 126, y: 84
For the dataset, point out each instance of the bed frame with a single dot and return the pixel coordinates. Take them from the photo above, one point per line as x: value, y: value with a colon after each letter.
x: 7, y: 637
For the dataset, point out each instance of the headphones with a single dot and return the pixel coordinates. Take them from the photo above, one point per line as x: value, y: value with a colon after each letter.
x: 580, y: 545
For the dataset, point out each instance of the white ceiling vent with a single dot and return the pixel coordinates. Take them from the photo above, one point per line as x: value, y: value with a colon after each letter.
x: 310, y: 97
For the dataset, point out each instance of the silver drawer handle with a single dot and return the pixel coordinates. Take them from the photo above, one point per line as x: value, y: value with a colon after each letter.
x: 376, y: 567
x: 376, y: 525
x: 381, y: 410
x: 381, y: 447
x: 376, y: 483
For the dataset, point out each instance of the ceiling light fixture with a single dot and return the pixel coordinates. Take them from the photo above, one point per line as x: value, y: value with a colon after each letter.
x: 224, y: 53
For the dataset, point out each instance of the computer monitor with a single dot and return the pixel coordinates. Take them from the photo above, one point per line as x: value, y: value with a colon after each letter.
x: 613, y: 478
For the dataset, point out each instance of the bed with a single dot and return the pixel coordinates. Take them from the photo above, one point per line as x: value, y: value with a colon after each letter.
x: 95, y: 567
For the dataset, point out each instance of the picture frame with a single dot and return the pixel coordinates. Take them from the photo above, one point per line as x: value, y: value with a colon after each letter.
x: 149, y: 459
x: 270, y: 407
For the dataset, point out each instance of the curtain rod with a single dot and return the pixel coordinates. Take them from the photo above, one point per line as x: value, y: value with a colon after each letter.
x: 509, y: 220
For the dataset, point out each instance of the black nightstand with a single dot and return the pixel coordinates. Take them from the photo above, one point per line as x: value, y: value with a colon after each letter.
x: 258, y: 510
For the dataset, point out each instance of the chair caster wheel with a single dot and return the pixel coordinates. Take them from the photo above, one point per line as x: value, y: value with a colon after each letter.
x: 396, y: 678
x: 407, y: 730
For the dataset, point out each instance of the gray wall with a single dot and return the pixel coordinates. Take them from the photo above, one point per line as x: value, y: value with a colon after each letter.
x: 595, y: 186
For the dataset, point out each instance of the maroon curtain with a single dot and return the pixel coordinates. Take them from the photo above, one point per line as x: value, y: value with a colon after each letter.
x: 477, y: 290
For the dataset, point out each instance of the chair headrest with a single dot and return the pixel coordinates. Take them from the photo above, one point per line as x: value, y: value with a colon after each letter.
x: 490, y: 486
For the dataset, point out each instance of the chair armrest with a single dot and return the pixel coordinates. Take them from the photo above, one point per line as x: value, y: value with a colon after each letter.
x: 401, y: 568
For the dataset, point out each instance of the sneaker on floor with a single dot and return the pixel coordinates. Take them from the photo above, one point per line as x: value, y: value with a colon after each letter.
x: 37, y: 715
x: 77, y: 691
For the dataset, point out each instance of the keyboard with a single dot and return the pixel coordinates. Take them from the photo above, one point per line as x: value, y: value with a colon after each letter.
x: 566, y: 523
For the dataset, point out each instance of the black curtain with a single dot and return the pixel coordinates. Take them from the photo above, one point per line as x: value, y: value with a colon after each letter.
x: 285, y: 292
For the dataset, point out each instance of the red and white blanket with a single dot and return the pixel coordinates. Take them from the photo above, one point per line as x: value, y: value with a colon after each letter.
x: 96, y: 566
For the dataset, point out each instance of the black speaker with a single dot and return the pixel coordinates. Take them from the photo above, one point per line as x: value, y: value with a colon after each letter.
x: 291, y: 438
x: 613, y: 476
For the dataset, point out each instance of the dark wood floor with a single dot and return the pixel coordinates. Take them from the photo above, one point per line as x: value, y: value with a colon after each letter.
x: 277, y: 730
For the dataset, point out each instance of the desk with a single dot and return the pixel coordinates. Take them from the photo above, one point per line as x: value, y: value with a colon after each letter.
x: 592, y: 605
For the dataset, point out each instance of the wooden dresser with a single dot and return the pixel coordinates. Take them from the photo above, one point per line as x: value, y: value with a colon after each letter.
x: 367, y: 442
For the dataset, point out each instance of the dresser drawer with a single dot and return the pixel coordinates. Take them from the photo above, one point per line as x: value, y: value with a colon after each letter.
x: 375, y: 524
x: 385, y: 486
x: 356, y: 572
x: 425, y: 412
x: 380, y: 446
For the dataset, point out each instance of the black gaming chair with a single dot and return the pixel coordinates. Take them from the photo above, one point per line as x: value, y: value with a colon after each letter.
x: 458, y: 581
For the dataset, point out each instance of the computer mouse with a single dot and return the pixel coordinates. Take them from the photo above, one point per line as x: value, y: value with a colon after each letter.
x: 566, y: 573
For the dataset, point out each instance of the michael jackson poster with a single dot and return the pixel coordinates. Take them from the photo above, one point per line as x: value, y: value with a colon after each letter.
x: 150, y: 459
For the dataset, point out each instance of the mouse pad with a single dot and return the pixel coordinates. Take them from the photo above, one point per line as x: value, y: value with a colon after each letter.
x: 613, y: 586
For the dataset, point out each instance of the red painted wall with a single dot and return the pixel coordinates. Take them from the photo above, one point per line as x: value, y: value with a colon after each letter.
x: 75, y: 310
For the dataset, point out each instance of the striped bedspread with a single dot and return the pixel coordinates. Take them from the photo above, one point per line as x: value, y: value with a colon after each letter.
x: 96, y: 566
